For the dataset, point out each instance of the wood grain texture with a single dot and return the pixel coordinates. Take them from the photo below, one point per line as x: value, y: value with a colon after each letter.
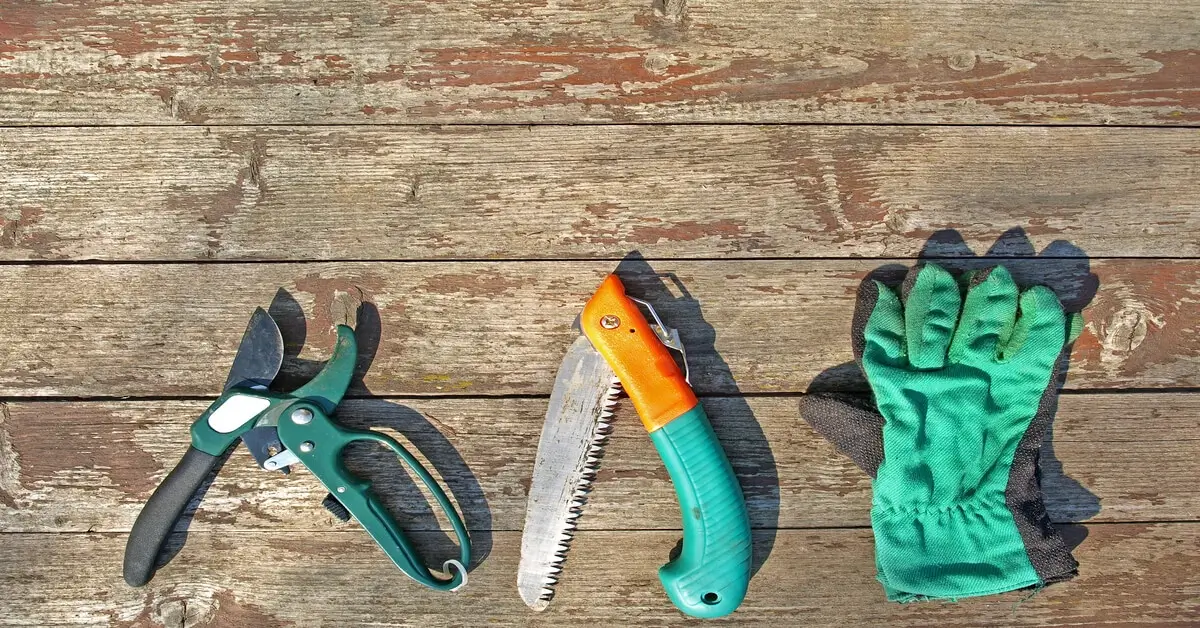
x: 89, y: 466
x: 501, y: 328
x: 325, y: 147
x: 584, y: 192
x: 270, y: 61
x: 1129, y: 574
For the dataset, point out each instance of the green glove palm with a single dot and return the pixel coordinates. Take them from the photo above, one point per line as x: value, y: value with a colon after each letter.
x: 964, y: 387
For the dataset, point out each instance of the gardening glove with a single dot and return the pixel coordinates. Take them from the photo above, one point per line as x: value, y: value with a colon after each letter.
x: 964, y: 392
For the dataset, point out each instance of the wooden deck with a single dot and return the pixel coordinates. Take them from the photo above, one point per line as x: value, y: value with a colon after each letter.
x: 472, y: 170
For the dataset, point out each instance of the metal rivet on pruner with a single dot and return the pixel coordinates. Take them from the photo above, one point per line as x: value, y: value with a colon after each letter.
x: 608, y: 321
x: 307, y: 446
x: 302, y: 416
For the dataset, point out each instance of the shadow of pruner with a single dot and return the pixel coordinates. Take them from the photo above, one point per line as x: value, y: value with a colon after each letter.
x: 732, y: 419
x: 1062, y: 267
x: 404, y: 498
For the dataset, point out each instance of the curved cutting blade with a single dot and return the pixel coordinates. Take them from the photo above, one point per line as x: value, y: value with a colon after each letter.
x: 572, y: 442
x: 259, y: 356
x: 256, y: 364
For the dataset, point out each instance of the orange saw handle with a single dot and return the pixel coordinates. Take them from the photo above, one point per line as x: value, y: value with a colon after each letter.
x: 644, y: 365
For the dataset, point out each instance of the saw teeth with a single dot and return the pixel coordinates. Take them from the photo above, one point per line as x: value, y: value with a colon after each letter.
x: 595, y: 452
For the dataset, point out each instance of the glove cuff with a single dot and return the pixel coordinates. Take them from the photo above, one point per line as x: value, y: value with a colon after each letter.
x: 952, y: 552
x: 995, y: 545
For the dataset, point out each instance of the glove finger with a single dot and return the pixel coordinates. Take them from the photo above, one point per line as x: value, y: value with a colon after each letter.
x: 1039, y: 334
x: 851, y: 423
x: 931, y: 306
x: 878, y: 328
x: 1074, y: 326
x: 988, y: 315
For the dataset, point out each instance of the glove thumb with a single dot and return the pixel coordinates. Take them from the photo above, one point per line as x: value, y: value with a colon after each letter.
x: 851, y: 423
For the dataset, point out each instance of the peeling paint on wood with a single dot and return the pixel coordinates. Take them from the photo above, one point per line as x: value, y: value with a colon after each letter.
x: 579, y: 192
x: 390, y: 186
x: 500, y: 328
x: 484, y: 449
x: 1129, y: 574
x: 191, y: 62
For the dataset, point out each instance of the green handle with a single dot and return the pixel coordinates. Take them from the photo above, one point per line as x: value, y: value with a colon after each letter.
x: 229, y: 417
x: 712, y: 572
x: 324, y: 441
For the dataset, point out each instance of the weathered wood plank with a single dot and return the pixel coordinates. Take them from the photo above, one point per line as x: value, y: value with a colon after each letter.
x: 577, y: 192
x: 1129, y: 574
x: 89, y: 466
x: 501, y: 328
x: 423, y: 61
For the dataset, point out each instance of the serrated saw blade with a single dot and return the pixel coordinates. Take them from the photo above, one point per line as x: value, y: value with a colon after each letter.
x: 573, y: 437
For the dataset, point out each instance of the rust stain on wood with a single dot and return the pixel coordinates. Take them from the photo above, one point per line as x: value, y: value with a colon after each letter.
x: 244, y: 511
x: 325, y: 289
x: 649, y: 230
x: 1130, y: 574
x: 197, y: 607
x: 1166, y: 79
x: 10, y: 468
x: 180, y: 108
x: 483, y: 283
x: 686, y: 231
x: 144, y: 618
x: 50, y: 445
x: 662, y: 60
x: 609, y: 474
x: 45, y: 361
x: 842, y: 182
x: 22, y: 231
x: 217, y: 208
x: 620, y: 76
x: 780, y: 191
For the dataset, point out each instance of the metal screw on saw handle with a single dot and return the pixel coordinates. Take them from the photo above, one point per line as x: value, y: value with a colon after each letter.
x: 608, y: 321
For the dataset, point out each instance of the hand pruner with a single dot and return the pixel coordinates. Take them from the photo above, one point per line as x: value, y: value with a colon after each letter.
x: 280, y: 430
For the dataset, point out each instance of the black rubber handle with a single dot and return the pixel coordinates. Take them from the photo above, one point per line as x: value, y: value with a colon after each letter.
x: 162, y: 510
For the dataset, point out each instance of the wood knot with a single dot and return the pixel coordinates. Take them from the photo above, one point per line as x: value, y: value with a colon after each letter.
x: 344, y: 307
x: 671, y: 10
x: 1125, y: 331
x: 962, y: 61
x: 658, y: 62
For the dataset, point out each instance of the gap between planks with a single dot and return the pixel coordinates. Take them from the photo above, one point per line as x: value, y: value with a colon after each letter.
x: 573, y: 260
x: 314, y: 532
x: 585, y: 124
x: 351, y: 396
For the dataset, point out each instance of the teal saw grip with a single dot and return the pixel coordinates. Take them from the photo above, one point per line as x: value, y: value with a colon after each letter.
x: 319, y: 442
x: 712, y: 572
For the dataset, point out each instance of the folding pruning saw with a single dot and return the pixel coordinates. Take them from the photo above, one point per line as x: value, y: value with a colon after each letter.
x: 618, y: 347
x: 281, y: 430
